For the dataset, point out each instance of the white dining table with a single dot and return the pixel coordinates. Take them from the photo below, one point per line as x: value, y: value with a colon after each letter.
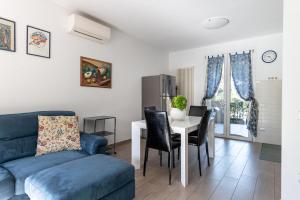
x: 183, y: 128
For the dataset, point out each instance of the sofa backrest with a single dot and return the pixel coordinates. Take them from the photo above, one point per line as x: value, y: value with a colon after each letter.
x: 18, y: 133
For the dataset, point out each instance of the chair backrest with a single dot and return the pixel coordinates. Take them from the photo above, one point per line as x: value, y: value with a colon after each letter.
x: 197, y: 111
x: 18, y: 133
x: 159, y: 134
x: 202, y: 131
x: 153, y: 108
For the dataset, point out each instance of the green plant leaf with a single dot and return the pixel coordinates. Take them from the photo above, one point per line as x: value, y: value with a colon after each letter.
x: 179, y: 102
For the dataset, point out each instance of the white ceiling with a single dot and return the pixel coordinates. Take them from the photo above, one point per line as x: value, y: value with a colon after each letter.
x: 177, y: 24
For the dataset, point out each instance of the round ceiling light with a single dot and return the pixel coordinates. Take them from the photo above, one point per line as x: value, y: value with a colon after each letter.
x: 215, y: 22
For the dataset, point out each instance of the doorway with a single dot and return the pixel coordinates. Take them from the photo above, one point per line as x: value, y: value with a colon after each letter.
x: 231, y: 110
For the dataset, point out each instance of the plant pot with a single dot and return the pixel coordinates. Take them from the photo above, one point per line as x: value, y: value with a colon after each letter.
x: 177, y: 114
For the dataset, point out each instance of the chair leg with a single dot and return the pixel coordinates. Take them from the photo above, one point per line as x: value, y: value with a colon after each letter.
x: 168, y: 159
x: 207, y: 154
x: 160, y: 157
x: 178, y: 153
x: 170, y: 168
x: 147, y: 155
x: 145, y: 160
x: 199, y: 160
x: 173, y: 158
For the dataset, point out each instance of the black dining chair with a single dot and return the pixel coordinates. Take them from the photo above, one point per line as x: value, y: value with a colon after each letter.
x: 201, y: 137
x: 197, y: 111
x: 153, y: 108
x: 159, y: 137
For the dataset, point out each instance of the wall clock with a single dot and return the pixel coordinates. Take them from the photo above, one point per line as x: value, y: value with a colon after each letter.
x: 269, y: 56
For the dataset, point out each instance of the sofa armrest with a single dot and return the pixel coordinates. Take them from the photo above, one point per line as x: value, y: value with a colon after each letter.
x: 93, y: 144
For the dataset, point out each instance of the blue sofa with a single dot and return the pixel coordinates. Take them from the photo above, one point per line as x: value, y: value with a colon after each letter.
x: 87, y: 174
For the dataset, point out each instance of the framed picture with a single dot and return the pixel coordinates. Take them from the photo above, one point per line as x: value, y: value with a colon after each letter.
x: 38, y: 42
x: 7, y: 35
x: 95, y: 73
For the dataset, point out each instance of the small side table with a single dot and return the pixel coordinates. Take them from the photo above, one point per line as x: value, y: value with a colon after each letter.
x: 104, y: 132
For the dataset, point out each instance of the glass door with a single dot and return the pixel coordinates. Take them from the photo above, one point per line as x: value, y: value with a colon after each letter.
x: 238, y: 113
x: 231, y: 110
x: 218, y: 103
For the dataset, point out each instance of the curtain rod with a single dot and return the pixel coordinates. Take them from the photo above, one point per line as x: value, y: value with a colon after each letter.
x: 251, y: 50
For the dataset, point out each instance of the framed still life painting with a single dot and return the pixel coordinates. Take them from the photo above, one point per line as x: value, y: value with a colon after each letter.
x: 95, y: 73
x: 38, y: 42
x: 7, y: 35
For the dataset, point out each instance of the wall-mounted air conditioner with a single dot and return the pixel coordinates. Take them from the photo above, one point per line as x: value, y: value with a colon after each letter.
x: 88, y: 29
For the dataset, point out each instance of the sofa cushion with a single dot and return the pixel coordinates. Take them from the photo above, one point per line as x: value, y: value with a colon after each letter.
x: 18, y: 133
x: 58, y: 133
x: 24, y: 124
x: 7, y: 184
x: 24, y: 167
x: 92, y: 178
x: 17, y: 148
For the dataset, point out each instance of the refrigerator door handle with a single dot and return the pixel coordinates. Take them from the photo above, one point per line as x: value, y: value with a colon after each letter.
x: 163, y: 87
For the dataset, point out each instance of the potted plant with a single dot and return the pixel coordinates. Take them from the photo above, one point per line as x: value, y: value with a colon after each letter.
x: 178, y: 105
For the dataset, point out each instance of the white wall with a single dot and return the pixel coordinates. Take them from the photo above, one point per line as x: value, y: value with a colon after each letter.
x: 291, y: 103
x: 262, y: 71
x: 29, y: 83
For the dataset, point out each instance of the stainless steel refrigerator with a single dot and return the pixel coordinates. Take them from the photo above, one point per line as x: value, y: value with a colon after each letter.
x: 158, y: 91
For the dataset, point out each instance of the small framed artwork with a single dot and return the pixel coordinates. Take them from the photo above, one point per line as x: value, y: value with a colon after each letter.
x: 95, y: 73
x: 38, y: 42
x: 7, y: 35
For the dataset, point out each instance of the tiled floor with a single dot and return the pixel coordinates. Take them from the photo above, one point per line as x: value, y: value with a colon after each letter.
x: 235, y: 173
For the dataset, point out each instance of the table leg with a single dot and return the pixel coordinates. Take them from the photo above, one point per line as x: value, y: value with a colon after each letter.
x: 211, y: 139
x: 135, y: 146
x: 184, y: 159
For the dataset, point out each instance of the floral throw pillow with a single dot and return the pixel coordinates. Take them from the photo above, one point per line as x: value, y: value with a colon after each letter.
x: 58, y: 133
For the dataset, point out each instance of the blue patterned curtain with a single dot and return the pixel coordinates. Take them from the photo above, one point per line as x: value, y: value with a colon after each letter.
x: 214, y: 75
x: 242, y: 77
